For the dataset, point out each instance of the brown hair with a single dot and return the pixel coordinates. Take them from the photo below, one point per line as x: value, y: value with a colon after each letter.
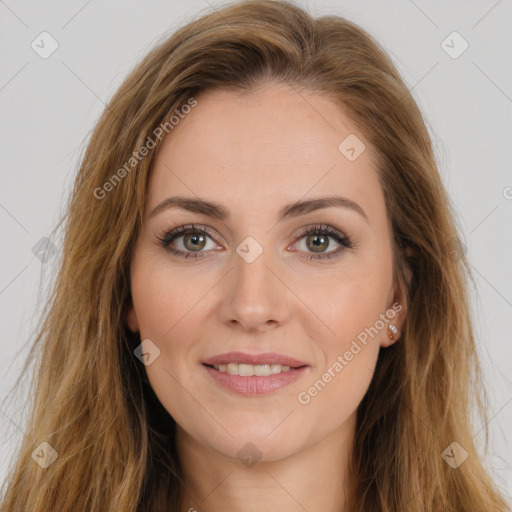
x: 91, y: 398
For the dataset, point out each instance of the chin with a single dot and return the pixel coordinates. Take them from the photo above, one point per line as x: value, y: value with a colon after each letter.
x: 256, y: 445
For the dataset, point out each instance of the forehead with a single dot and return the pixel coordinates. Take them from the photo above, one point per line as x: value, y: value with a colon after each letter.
x: 263, y: 149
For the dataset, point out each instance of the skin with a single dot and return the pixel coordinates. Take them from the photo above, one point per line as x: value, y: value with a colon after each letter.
x: 255, y: 154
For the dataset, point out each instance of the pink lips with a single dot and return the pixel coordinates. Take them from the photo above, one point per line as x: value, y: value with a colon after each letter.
x: 255, y: 385
x: 244, y: 358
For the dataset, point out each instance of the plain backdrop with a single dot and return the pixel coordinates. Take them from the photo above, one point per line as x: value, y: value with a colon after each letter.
x: 50, y: 105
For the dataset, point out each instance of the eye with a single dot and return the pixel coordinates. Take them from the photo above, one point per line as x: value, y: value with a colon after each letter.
x: 316, y: 238
x: 194, y: 239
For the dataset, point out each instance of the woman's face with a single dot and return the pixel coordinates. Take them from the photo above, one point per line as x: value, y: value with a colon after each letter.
x: 255, y: 282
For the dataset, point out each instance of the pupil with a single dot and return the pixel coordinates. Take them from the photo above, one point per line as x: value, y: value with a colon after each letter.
x: 319, y: 240
x: 196, y: 240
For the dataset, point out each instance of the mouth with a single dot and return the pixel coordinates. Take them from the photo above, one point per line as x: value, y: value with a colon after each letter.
x: 254, y: 375
x: 253, y: 360
x: 248, y: 370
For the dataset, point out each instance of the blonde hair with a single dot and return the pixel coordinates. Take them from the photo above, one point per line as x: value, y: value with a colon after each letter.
x: 91, y: 400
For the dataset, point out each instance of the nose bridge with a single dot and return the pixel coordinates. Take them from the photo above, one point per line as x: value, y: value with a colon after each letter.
x: 256, y: 295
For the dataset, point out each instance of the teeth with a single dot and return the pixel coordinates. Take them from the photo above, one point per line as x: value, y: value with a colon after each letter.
x: 233, y: 369
x: 247, y: 370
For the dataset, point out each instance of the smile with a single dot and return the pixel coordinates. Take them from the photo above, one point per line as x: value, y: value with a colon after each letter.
x: 254, y: 380
x: 248, y: 370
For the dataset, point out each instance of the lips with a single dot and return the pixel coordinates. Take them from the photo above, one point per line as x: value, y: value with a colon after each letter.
x: 254, y: 374
x: 254, y: 359
x: 250, y: 385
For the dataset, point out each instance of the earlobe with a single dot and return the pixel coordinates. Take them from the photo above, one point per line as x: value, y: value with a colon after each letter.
x: 393, y: 334
x: 397, y: 317
x: 392, y: 331
x: 131, y: 320
x: 400, y: 301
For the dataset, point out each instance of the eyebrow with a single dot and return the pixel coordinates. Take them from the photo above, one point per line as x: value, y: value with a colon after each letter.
x: 220, y: 212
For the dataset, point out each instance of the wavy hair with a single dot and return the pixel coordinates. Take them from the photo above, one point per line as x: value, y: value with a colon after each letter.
x: 90, y: 398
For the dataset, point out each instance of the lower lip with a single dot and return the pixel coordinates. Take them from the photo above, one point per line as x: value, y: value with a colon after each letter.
x: 255, y: 385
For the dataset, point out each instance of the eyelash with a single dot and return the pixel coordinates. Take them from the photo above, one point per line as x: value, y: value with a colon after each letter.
x: 167, y: 237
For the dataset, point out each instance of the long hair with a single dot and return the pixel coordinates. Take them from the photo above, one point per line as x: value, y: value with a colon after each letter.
x: 90, y: 397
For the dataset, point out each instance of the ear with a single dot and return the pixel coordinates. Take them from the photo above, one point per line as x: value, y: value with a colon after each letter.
x: 397, y: 308
x: 131, y: 319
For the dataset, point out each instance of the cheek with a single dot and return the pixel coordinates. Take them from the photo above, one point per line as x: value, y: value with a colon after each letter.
x: 166, y: 307
x: 353, y: 307
x: 163, y: 300
x: 335, y: 393
x: 355, y: 310
x: 170, y: 306
x: 350, y: 302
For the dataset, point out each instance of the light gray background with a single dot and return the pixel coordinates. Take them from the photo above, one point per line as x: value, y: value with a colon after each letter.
x: 49, y: 107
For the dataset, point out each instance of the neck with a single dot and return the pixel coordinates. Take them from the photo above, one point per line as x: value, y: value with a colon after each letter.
x: 311, y: 479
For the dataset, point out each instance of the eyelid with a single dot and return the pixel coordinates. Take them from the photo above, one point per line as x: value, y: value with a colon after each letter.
x: 167, y: 236
x: 344, y: 240
x: 173, y: 233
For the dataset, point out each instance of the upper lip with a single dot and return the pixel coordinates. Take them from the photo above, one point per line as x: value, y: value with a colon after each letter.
x: 244, y: 358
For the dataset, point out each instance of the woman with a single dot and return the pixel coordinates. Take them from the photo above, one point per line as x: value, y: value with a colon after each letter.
x: 258, y: 306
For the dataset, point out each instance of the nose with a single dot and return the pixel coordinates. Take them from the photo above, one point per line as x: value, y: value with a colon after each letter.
x: 256, y: 296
